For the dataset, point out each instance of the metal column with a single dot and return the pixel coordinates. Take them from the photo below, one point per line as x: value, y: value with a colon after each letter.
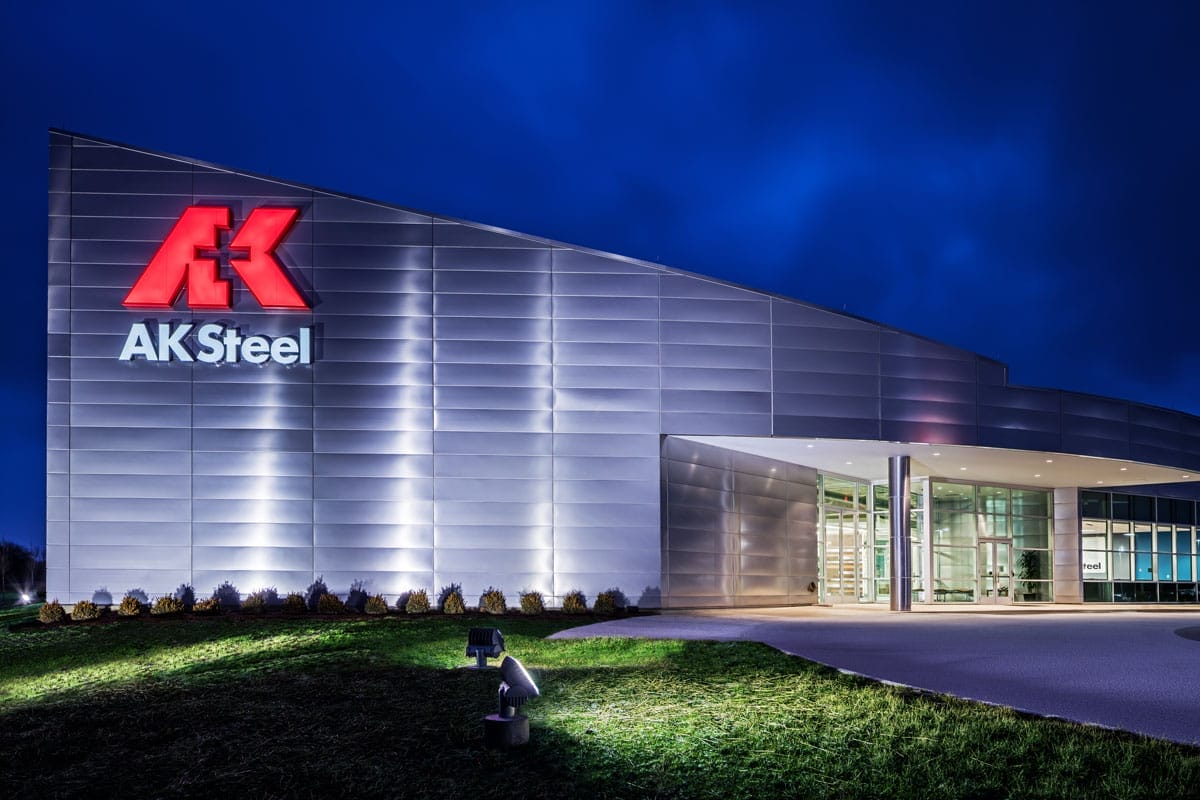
x: 900, y: 514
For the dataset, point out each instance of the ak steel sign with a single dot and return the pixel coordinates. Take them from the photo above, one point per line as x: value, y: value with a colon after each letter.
x: 189, y: 260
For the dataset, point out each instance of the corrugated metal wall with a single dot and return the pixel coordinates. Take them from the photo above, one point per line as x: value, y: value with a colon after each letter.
x: 738, y: 530
x: 485, y: 407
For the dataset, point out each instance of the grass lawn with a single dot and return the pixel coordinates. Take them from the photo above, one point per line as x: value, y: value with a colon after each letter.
x: 367, y: 707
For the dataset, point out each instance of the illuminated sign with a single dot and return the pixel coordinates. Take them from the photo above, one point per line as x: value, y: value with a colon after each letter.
x: 191, y: 252
x: 213, y: 343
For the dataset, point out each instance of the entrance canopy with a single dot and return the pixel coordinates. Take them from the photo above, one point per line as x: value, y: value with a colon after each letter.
x: 868, y: 460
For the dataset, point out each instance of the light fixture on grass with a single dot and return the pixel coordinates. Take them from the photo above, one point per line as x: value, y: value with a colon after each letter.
x: 484, y: 643
x: 507, y: 728
x: 25, y: 598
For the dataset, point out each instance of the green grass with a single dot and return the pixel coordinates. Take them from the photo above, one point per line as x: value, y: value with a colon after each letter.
x: 277, y: 707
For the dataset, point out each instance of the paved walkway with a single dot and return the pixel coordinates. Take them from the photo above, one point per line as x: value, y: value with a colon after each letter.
x: 1134, y: 670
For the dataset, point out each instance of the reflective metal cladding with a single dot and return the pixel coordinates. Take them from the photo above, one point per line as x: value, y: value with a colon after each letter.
x: 442, y: 401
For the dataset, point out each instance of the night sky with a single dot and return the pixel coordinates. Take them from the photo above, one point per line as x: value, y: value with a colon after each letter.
x: 1023, y: 182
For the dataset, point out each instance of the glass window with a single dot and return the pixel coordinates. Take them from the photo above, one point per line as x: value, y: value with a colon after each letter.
x: 1120, y: 506
x: 1182, y: 512
x: 952, y: 527
x: 838, y: 492
x: 1164, y: 509
x: 1164, y: 540
x: 1122, y: 551
x: 1094, y: 539
x: 879, y: 493
x: 993, y: 500
x: 1143, y: 561
x: 995, y: 525
x: 1095, y: 504
x: 1030, y: 502
x: 1142, y: 508
x: 953, y: 497
x: 954, y: 574
x: 1031, y: 532
x: 1183, y: 554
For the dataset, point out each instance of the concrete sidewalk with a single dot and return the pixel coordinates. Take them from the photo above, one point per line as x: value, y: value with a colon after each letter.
x: 1134, y: 670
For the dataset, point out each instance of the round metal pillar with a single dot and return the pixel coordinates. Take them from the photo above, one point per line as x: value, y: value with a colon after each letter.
x: 900, y: 515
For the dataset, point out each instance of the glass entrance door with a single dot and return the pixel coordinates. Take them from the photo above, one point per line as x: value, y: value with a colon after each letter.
x: 995, y: 571
x: 848, y: 553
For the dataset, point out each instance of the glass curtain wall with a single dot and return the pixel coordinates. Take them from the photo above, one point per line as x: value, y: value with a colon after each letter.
x: 1138, y: 549
x: 855, y: 556
x: 990, y: 544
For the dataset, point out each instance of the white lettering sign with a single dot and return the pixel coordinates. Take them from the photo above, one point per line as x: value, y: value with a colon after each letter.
x: 1094, y: 564
x: 214, y: 344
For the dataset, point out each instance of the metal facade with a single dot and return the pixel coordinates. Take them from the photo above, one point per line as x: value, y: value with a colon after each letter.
x: 485, y: 407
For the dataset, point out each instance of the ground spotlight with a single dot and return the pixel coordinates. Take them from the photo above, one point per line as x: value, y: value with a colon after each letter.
x: 507, y: 728
x: 484, y: 643
x: 25, y: 598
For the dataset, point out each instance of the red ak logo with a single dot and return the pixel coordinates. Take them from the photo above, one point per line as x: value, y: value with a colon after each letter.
x: 188, y: 253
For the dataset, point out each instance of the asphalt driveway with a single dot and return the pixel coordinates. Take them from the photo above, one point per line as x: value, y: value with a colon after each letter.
x: 1133, y: 670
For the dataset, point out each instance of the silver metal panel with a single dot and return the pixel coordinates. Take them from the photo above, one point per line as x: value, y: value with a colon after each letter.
x: 478, y: 398
x: 372, y: 535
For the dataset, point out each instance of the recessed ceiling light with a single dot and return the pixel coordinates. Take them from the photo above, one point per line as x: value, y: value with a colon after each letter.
x: 964, y: 469
x: 1099, y: 482
x: 848, y: 463
x: 937, y: 454
x: 1187, y: 476
x: 1037, y: 474
x: 1124, y: 469
x: 1049, y: 460
x: 772, y: 469
x: 808, y: 445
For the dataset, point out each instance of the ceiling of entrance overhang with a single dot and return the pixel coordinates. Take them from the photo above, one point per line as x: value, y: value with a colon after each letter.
x: 868, y: 460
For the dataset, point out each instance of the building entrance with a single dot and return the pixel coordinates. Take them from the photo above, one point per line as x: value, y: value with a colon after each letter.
x: 995, y: 571
x: 848, y: 557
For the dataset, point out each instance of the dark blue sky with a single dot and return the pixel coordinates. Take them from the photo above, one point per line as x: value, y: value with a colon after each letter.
x: 1019, y: 180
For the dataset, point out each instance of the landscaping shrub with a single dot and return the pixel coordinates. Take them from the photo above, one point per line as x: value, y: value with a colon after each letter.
x: 209, y: 605
x: 357, y: 599
x: 227, y: 596
x: 492, y: 601
x: 52, y: 612
x: 532, y: 603
x: 604, y: 603
x: 130, y: 606
x: 186, y: 596
x: 315, y: 591
x: 450, y: 600
x: 417, y: 602
x: 574, y: 602
x: 331, y: 604
x: 258, y: 602
x: 85, y: 609
x: 376, y: 605
x: 167, y: 604
x: 294, y: 604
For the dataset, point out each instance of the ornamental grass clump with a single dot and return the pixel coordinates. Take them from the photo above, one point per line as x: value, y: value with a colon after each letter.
x: 85, y: 609
x: 167, y: 604
x: 532, y: 603
x: 294, y: 604
x: 207, y: 606
x: 130, y: 606
x: 376, y: 605
x: 574, y: 602
x: 51, y: 613
x: 330, y: 604
x: 492, y: 601
x: 417, y: 602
